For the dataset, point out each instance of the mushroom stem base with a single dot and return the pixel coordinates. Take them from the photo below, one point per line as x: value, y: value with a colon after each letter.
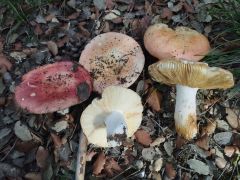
x: 185, y: 111
x: 116, y: 128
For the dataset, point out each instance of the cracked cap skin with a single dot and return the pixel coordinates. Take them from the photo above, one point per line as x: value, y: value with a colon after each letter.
x: 191, y: 74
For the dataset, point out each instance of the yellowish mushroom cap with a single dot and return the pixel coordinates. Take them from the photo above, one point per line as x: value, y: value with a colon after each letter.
x: 192, y: 74
x: 114, y: 98
x: 182, y: 43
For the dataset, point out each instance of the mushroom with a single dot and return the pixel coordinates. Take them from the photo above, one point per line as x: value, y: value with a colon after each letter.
x: 112, y: 59
x: 189, y: 77
x: 53, y: 87
x: 109, y: 120
x: 182, y: 43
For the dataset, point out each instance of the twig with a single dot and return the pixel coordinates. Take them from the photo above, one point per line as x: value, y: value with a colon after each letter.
x: 9, y: 150
x: 81, y: 157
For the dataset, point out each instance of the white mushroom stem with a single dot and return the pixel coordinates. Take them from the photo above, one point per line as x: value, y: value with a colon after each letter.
x: 185, y: 111
x: 115, y: 125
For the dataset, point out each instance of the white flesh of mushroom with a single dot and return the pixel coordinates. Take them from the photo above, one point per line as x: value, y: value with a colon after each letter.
x: 185, y: 106
x: 115, y: 125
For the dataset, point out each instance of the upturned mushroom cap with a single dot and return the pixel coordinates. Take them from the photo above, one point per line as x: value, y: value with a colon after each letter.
x: 114, y: 98
x: 191, y: 74
x: 182, y: 43
x: 112, y: 59
x: 53, y: 87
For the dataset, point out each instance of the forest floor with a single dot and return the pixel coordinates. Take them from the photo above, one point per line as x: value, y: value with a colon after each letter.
x: 35, y: 147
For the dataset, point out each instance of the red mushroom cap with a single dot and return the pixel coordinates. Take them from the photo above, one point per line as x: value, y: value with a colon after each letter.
x: 53, y: 87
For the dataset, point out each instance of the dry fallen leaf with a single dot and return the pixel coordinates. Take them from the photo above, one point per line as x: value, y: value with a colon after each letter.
x: 38, y: 30
x: 198, y: 166
x: 166, y: 13
x: 158, y: 141
x: 231, y: 150
x: 4, y: 61
x: 111, y: 167
x: 233, y: 118
x: 223, y: 138
x: 154, y: 99
x: 98, y: 165
x: 52, y: 46
x: 157, y: 165
x: 143, y: 137
x: 42, y: 157
x: 56, y: 140
x: 90, y: 155
x: 170, y: 171
x: 220, y: 162
x: 61, y: 42
x: 210, y: 128
x: 33, y: 176
x: 203, y: 142
x: 180, y: 141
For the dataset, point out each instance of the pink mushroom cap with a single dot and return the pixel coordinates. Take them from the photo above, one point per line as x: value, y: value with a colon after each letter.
x: 53, y: 87
x: 112, y: 59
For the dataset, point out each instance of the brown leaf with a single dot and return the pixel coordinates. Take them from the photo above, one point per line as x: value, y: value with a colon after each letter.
x: 98, y: 165
x: 180, y: 141
x: 166, y: 13
x: 38, y: 30
x: 62, y: 41
x: 170, y: 171
x: 52, y: 46
x: 232, y: 118
x: 90, y: 155
x: 25, y: 146
x: 73, y: 16
x: 154, y: 99
x: 188, y: 8
x: 203, y: 142
x: 17, y: 46
x: 49, y: 17
x: 4, y: 61
x: 231, y: 150
x: 109, y: 4
x: 111, y: 167
x: 56, y: 140
x: 83, y: 30
x: 33, y: 176
x: 210, y: 128
x: 143, y: 137
x: 42, y: 157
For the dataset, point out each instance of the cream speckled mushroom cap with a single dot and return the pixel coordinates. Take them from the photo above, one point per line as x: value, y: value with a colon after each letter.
x: 192, y: 74
x: 114, y: 98
x: 182, y: 43
x: 112, y: 59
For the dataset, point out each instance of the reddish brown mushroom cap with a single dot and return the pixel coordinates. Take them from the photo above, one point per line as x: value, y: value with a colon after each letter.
x: 53, y: 87
x: 113, y: 59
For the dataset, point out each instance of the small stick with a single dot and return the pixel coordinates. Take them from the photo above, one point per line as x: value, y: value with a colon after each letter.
x: 81, y: 157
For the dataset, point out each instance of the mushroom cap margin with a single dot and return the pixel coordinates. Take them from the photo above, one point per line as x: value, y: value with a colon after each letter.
x: 192, y: 74
x: 114, y: 98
